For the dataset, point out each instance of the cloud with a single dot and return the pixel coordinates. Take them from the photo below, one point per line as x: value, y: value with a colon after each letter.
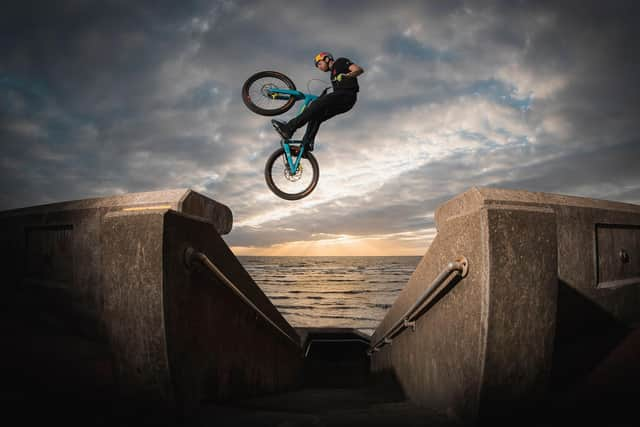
x: 100, y: 98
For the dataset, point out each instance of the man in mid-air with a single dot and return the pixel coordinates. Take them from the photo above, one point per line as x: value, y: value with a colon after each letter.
x: 344, y: 80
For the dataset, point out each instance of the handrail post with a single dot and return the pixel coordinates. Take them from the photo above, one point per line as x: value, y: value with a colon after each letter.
x: 406, y: 323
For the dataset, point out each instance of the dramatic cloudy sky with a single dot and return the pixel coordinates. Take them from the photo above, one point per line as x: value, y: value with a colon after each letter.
x: 106, y: 97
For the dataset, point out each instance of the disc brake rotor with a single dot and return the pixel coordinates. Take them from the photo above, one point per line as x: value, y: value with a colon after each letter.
x: 266, y: 89
x: 295, y: 177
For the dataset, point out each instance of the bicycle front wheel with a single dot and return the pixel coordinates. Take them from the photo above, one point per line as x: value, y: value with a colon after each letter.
x: 257, y: 97
x: 287, y: 185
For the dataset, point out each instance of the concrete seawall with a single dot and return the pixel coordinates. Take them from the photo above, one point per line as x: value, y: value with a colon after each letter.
x: 99, y: 302
x: 181, y: 335
x: 138, y: 297
x: 57, y: 247
x: 547, y: 284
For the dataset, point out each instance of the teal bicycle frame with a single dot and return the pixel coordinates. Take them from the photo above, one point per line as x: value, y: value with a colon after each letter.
x: 277, y: 93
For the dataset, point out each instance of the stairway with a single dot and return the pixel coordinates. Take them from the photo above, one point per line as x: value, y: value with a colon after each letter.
x: 338, y: 390
x: 356, y: 406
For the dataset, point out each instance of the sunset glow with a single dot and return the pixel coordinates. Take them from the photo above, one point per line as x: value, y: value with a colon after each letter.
x: 400, y: 244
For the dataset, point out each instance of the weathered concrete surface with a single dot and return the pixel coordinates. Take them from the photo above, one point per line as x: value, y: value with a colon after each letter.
x: 51, y: 261
x: 97, y: 299
x: 486, y: 342
x: 178, y: 334
x: 552, y: 288
x: 598, y: 295
x: 57, y: 246
x: 182, y: 200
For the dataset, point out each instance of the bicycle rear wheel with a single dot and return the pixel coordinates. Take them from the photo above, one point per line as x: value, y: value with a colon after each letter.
x: 256, y: 96
x: 290, y: 186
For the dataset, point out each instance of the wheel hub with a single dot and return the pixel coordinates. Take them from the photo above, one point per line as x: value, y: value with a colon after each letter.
x: 266, y: 89
x: 293, y: 177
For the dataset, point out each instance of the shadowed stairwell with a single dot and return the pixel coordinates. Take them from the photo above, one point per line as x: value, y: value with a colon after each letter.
x: 338, y: 390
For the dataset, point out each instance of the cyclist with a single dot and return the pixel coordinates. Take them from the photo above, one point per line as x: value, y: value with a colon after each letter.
x: 344, y: 80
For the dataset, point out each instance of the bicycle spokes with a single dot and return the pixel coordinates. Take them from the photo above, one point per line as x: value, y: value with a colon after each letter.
x: 292, y: 182
x: 288, y: 180
x: 262, y: 93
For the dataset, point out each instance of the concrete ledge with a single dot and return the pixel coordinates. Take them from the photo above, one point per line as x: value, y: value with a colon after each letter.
x: 182, y: 200
x: 485, y: 342
x: 592, y: 237
x: 178, y: 335
x: 552, y: 289
x: 477, y: 197
x: 53, y: 252
x: 80, y: 316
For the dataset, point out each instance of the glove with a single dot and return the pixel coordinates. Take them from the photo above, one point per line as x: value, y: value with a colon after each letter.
x: 341, y: 77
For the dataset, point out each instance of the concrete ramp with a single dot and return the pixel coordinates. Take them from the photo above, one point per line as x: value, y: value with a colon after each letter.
x: 552, y: 287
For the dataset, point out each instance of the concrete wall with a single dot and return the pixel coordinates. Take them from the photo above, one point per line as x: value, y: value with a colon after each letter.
x: 598, y: 293
x: 179, y: 335
x: 56, y: 249
x: 97, y: 298
x: 544, y: 270
x: 53, y: 300
x: 486, y: 330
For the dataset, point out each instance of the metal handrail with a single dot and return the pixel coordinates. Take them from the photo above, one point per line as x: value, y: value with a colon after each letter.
x: 191, y: 254
x: 460, y: 267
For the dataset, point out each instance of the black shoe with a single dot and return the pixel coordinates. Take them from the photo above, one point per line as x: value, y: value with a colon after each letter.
x: 309, y: 145
x: 281, y: 128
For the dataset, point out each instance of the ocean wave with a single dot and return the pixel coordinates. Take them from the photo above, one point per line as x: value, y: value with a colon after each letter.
x: 297, y: 307
x: 329, y: 316
x: 384, y: 306
x: 347, y: 291
x: 332, y: 291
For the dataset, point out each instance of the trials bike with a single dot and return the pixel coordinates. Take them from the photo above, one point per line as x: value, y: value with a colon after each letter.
x: 291, y: 171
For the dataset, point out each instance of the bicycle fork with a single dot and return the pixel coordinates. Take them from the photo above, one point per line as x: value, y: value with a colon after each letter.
x: 291, y: 162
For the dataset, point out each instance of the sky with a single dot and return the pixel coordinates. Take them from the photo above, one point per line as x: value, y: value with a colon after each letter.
x: 99, y: 98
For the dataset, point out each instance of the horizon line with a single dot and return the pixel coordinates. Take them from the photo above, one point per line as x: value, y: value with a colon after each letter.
x: 333, y: 256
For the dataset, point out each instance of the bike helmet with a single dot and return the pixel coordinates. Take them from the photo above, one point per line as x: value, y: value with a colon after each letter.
x: 321, y: 56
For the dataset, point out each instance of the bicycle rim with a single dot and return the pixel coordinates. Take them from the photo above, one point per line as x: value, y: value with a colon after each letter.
x: 256, y: 95
x: 287, y: 185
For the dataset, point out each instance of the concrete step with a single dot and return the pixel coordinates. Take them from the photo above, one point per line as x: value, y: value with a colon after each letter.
x: 323, y: 407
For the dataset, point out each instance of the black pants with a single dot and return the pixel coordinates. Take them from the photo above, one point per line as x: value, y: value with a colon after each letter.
x: 322, y: 109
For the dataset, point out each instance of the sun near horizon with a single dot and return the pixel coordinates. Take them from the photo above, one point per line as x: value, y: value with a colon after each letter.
x: 343, y: 245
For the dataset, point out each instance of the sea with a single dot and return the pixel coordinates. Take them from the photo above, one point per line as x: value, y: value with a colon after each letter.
x: 332, y: 291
